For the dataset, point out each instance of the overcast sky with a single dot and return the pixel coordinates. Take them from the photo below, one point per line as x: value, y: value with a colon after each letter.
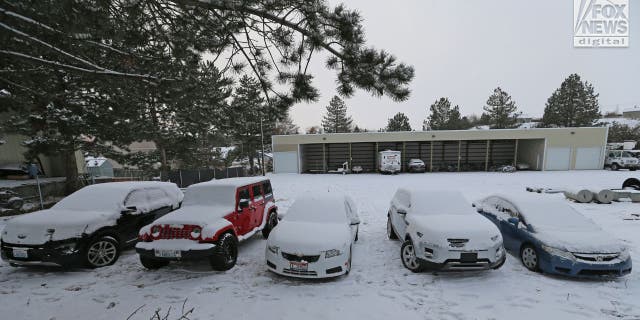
x: 463, y: 49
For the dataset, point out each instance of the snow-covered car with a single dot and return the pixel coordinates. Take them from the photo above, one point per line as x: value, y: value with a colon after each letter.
x: 89, y: 227
x: 416, y: 165
x: 549, y: 235
x: 315, y: 238
x: 441, y: 231
x: 214, y: 216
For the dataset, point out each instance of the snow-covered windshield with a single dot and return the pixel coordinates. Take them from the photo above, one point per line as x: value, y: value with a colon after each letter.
x: 210, y: 195
x: 555, y: 215
x: 431, y: 202
x: 104, y: 199
x: 331, y: 210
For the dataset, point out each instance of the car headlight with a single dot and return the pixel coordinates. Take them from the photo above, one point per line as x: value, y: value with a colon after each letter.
x: 624, y: 254
x: 195, y: 232
x: 155, y: 231
x: 558, y: 252
x: 273, y: 249
x: 332, y: 253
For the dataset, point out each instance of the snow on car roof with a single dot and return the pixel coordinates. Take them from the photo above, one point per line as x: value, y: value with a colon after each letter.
x: 547, y: 212
x: 323, y: 208
x: 232, y: 182
x: 429, y: 201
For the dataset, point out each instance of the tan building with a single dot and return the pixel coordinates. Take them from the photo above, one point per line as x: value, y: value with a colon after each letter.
x: 459, y: 150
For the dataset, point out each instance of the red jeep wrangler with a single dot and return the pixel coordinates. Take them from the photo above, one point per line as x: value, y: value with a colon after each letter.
x: 214, y: 216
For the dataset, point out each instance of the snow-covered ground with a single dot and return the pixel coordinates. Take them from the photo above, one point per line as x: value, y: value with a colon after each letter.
x: 378, y: 286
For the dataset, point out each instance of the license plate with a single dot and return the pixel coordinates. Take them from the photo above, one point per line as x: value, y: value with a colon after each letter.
x: 299, y: 266
x: 20, y: 253
x: 469, y: 257
x: 168, y: 253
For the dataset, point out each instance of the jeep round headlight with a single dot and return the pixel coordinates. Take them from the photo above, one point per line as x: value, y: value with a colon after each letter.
x: 195, y: 232
x: 155, y: 231
x: 332, y: 253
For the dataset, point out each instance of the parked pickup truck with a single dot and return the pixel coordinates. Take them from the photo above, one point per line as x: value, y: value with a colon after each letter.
x: 214, y: 216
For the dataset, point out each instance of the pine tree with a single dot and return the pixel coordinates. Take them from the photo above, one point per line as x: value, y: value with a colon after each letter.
x: 574, y: 104
x: 621, y: 132
x: 501, y: 110
x: 399, y: 122
x: 336, y: 119
x: 445, y: 117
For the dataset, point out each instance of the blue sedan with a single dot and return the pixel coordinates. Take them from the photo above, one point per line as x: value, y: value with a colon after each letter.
x: 548, y: 235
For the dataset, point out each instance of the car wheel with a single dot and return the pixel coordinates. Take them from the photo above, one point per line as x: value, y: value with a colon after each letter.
x: 615, y: 167
x: 409, y: 258
x: 529, y: 257
x: 152, y: 264
x: 16, y: 204
x: 631, y: 183
x: 633, y: 169
x: 102, y: 251
x: 272, y: 221
x: 227, y: 256
x: 390, y: 233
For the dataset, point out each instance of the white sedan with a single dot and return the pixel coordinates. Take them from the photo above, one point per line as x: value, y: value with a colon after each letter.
x: 440, y: 230
x: 315, y: 238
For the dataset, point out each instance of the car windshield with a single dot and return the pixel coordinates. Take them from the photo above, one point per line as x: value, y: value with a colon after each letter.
x: 210, y: 195
x: 93, y: 199
x: 317, y: 210
x: 555, y: 215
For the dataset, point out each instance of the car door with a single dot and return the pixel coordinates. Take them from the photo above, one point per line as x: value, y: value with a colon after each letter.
x: 133, y: 218
x: 399, y: 207
x: 258, y: 202
x: 508, y: 229
x: 243, y: 221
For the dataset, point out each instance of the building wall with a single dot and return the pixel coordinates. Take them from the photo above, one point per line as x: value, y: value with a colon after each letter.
x: 12, y: 152
x: 532, y: 143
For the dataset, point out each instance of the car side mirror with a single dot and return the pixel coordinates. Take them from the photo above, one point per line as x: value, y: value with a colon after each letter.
x: 243, y: 204
x: 355, y: 222
x: 513, y: 220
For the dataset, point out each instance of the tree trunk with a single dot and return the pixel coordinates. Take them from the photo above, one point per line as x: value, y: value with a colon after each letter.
x: 71, y: 172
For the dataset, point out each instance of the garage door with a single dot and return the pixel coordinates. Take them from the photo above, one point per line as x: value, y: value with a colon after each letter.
x: 558, y: 158
x: 588, y: 158
x: 285, y: 162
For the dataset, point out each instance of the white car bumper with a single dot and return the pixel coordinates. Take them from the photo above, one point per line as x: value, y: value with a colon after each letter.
x: 308, y: 266
x: 461, y: 259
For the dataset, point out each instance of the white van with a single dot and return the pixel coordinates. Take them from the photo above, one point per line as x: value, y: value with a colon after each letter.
x: 389, y: 161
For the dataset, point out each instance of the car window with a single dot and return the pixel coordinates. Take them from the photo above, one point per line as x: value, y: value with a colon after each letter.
x: 243, y: 194
x: 158, y: 198
x: 136, y: 198
x: 611, y: 155
x: 257, y: 192
x: 266, y: 186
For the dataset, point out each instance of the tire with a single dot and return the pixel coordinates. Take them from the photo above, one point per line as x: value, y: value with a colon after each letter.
x: 633, y: 169
x: 615, y: 167
x: 529, y: 258
x: 272, y: 221
x: 408, y: 257
x: 228, y: 255
x: 16, y: 204
x: 102, y: 251
x: 390, y: 233
x: 153, y: 264
x: 631, y: 183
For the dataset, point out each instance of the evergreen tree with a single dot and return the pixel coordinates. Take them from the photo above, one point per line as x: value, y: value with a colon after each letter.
x: 336, y: 119
x: 313, y: 130
x: 500, y: 110
x: 574, y: 104
x: 399, y: 122
x: 445, y: 117
x: 621, y: 132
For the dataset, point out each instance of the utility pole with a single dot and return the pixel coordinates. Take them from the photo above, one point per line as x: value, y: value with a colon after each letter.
x: 262, y: 149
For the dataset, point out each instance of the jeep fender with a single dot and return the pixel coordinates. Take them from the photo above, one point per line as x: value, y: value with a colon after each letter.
x: 268, y: 208
x: 213, y: 230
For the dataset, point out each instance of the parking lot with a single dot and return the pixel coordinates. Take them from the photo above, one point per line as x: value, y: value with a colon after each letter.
x: 378, y: 287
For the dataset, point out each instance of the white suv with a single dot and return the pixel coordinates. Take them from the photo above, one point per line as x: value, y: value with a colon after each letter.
x: 621, y: 159
x: 440, y: 230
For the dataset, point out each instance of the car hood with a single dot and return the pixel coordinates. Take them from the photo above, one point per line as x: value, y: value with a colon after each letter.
x: 580, y: 241
x: 195, y: 215
x: 309, y: 238
x: 436, y: 229
x: 34, y: 228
